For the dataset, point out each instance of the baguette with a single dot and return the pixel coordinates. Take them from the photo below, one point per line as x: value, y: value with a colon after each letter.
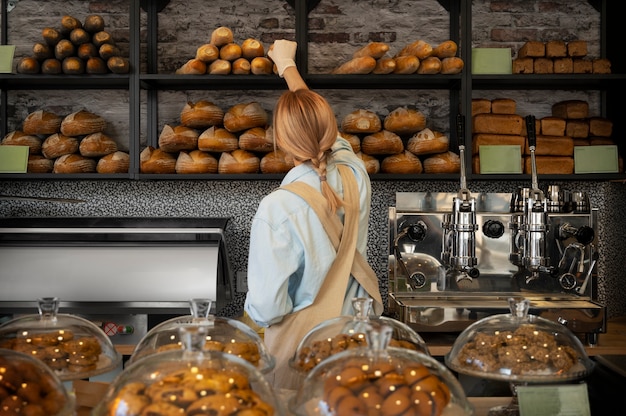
x: 430, y: 65
x: 192, y: 67
x: 384, y: 66
x: 360, y: 65
x: 374, y: 49
x: 452, y: 65
x: 419, y: 48
x: 406, y: 64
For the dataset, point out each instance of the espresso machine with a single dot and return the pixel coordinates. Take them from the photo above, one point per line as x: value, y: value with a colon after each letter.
x: 455, y: 258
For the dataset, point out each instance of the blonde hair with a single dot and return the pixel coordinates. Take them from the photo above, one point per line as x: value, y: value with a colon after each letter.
x: 305, y: 127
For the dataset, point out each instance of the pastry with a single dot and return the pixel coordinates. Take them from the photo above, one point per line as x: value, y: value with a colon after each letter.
x: 383, y: 142
x: 116, y: 162
x: 405, y: 162
x: 195, y: 161
x: 428, y: 142
x: 41, y: 122
x: 217, y: 139
x: 245, y: 116
x: 74, y: 163
x: 174, y: 139
x: 58, y: 144
x: 82, y: 122
x: 361, y: 121
x: 153, y: 160
x: 97, y: 145
x: 201, y: 114
x: 405, y: 120
x: 238, y: 161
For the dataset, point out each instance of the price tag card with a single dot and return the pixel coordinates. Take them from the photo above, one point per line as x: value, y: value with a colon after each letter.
x: 554, y: 400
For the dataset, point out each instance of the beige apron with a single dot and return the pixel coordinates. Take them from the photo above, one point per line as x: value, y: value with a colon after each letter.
x: 282, y: 339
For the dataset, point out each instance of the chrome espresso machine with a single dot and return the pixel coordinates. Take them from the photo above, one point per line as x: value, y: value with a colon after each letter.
x: 455, y: 258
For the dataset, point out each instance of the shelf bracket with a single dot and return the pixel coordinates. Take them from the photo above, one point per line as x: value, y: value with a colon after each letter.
x: 310, y: 4
x: 11, y: 5
x: 160, y: 4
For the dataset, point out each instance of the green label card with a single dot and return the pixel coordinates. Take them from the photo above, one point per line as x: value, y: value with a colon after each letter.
x: 553, y: 400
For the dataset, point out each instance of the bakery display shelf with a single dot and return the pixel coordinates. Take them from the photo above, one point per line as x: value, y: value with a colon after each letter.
x: 589, y: 177
x: 280, y: 176
x: 549, y: 81
x: 53, y: 82
x: 64, y: 176
x: 389, y: 81
x: 211, y: 82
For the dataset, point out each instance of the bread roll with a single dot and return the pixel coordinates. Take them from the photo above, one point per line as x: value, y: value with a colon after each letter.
x: 448, y: 162
x: 446, y: 49
x: 428, y: 142
x: 486, y: 139
x: 192, y: 67
x: 79, y: 36
x: 244, y: 116
x: 261, y: 66
x: 552, y: 146
x: 383, y: 142
x: 102, y: 37
x: 69, y: 23
x: 503, y: 106
x: 74, y: 163
x: 230, y: 52
x: 406, y: 64
x: 51, y: 66
x: 571, y: 109
x: 452, y: 65
x: 177, y: 138
x: 82, y: 122
x: 238, y: 161
x: 207, y: 53
x: 107, y: 51
x: 405, y: 162
x: 252, y: 48
x: 419, y: 49
x: 498, y: 124
x: 42, y: 51
x: 549, y: 165
x: 51, y: 36
x: 552, y: 126
x: 63, y: 49
x: 219, y: 67
x: 39, y: 164
x: 153, y: 160
x: 221, y: 36
x: 374, y: 49
x: 19, y: 138
x: 201, y: 114
x: 97, y: 145
x: 276, y: 162
x: 430, y: 65
x: 73, y: 65
x: 372, y: 164
x: 241, y: 66
x: 116, y: 162
x: 96, y: 65
x: 195, y: 161
x: 118, y: 65
x: 94, y: 23
x: 28, y: 65
x: 405, y: 120
x: 58, y: 144
x: 41, y: 122
x: 256, y: 140
x: 384, y: 66
x: 360, y: 65
x: 353, y: 139
x: 217, y: 139
x: 361, y: 121
x: 481, y: 106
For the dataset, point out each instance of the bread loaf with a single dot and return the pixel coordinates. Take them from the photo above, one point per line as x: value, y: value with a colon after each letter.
x: 446, y: 49
x: 481, y: 106
x: 552, y: 126
x: 195, y: 161
x: 244, y: 116
x: 405, y: 162
x: 600, y: 126
x: 78, y: 36
x: 261, y: 66
x: 201, y: 114
x: 522, y: 66
x: 577, y: 48
x: 498, y: 123
x: 556, y: 49
x: 63, y: 49
x: 207, y: 53
x: 82, y: 122
x: 219, y: 67
x: 230, y: 52
x: 107, y: 51
x: 372, y: 164
x: 601, y: 66
x: 384, y: 66
x: 582, y: 66
x: 51, y: 36
x: 571, y: 109
x: 276, y: 162
x: 19, y: 138
x: 192, y: 67
x: 405, y: 120
x: 430, y: 65
x: 118, y: 65
x: 552, y: 146
x: 543, y: 66
x: 256, y: 140
x: 74, y: 163
x: 153, y: 160
x: 238, y: 161
x: 221, y: 36
x: 549, y: 165
x: 360, y: 65
x: 252, y: 48
x: 532, y: 49
x: 503, y: 106
x: 51, y: 66
x: 452, y: 65
x: 563, y: 65
x: 177, y: 138
x: 102, y: 37
x: 97, y: 145
x: 361, y: 121
x: 116, y: 162
x: 28, y: 65
x: 217, y: 139
x: 41, y: 122
x: 577, y: 129
x: 418, y: 48
x: 96, y: 65
x: 57, y: 145
x: 448, y: 162
x: 374, y: 49
x: 428, y: 142
x: 39, y: 164
x: 353, y: 139
x: 94, y: 23
x: 383, y: 142
x: 406, y: 64
x: 241, y: 66
x: 486, y: 139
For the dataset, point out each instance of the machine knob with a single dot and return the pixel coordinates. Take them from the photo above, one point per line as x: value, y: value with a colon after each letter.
x: 493, y: 229
x: 417, y: 232
x: 417, y: 280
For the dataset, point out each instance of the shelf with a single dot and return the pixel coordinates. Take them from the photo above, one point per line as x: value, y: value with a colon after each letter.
x: 211, y: 82
x: 54, y: 82
x: 384, y: 81
x: 548, y: 81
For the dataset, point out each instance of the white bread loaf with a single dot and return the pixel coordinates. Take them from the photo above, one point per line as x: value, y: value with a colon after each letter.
x: 503, y: 106
x: 552, y: 146
x: 498, y: 124
x: 116, y: 162
x: 552, y: 126
x: 238, y: 161
x: 195, y: 161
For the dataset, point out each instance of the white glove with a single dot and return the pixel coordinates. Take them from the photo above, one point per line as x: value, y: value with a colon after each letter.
x: 283, y: 53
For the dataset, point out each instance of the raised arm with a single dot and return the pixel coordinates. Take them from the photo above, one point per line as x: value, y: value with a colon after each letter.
x: 283, y: 53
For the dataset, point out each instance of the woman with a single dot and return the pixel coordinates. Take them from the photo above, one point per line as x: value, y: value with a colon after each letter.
x: 291, y: 252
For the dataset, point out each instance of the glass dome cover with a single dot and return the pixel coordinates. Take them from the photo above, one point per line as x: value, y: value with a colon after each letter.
x: 73, y: 347
x: 30, y: 387
x: 376, y: 380
x: 190, y: 380
x: 346, y: 332
x: 224, y: 334
x: 519, y: 347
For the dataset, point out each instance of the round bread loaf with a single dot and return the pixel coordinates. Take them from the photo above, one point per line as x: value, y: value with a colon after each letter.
x: 42, y: 122
x: 19, y: 138
x: 384, y: 66
x: 448, y: 162
x: 58, y: 144
x: 230, y: 52
x: 74, y: 163
x: 73, y: 65
x: 222, y: 36
x: 256, y: 139
x: 118, y: 65
x: 353, y: 139
x: 405, y: 162
x: 276, y: 162
x: 383, y: 142
x: 252, y: 48
x: 78, y: 36
x: 244, y: 116
x: 116, y: 162
x: 428, y: 142
x: 361, y: 121
x: 28, y: 65
x: 219, y: 67
x: 82, y: 122
x: 86, y: 51
x: 102, y: 37
x: 241, y: 66
x: 64, y: 49
x: 97, y: 145
x: 153, y: 160
x: 372, y: 164
x: 238, y: 161
x: 261, y: 66
x: 51, y: 66
x: 108, y: 50
x: 42, y: 51
x: 195, y: 161
x: 177, y: 138
x: 207, y: 53
x: 39, y: 164
x: 217, y: 139
x: 405, y: 120
x: 51, y: 36
x: 201, y: 114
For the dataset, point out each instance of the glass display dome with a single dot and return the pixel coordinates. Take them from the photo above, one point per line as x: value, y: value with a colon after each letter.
x: 190, y: 380
x: 376, y: 380
x: 73, y: 347
x: 223, y: 334
x: 346, y: 332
